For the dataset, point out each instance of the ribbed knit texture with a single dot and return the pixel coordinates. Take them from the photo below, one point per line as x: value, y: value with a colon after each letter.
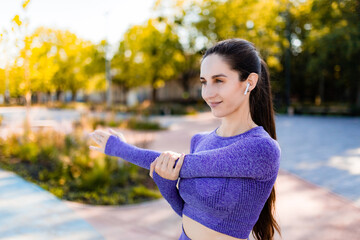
x: 224, y: 181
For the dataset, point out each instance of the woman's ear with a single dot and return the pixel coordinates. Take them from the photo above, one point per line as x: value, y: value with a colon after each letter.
x: 252, y: 79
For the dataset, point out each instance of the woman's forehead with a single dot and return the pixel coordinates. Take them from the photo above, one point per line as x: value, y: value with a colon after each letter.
x: 214, y: 65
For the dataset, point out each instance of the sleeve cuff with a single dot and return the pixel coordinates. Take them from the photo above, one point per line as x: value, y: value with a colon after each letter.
x: 111, y: 145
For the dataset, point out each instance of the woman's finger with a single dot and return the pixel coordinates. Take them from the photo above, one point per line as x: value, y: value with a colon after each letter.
x: 179, y: 163
x: 96, y: 138
x: 96, y: 148
x: 171, y: 162
x: 152, y: 166
x: 115, y: 133
x: 119, y: 134
x: 159, y: 163
x: 167, y: 161
x: 100, y: 134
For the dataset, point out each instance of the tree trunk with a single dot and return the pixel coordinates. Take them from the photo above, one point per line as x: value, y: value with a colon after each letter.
x: 73, y: 95
x: 154, y: 95
x: 124, y: 91
x: 39, y: 96
x: 154, y: 90
x: 58, y: 94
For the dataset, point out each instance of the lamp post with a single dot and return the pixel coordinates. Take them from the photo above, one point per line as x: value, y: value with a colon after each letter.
x: 288, y: 61
x: 4, y: 38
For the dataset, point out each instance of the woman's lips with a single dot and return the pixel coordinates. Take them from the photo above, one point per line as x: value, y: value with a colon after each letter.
x: 214, y: 104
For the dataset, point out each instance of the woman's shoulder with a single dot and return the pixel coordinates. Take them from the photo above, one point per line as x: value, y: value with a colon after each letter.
x: 200, y: 135
x: 260, y: 141
x: 196, y: 137
x: 267, y: 146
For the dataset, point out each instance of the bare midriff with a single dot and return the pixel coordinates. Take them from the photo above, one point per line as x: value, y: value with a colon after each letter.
x: 196, y: 231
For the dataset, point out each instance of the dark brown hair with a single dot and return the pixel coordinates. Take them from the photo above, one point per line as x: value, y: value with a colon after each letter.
x: 242, y: 56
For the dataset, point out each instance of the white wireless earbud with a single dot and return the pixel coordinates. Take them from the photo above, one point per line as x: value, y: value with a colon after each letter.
x: 247, y: 87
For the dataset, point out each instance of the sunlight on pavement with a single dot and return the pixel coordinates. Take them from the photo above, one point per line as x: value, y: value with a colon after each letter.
x: 350, y: 162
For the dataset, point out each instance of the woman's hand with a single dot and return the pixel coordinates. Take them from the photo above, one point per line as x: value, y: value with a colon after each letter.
x: 164, y: 165
x: 101, y: 138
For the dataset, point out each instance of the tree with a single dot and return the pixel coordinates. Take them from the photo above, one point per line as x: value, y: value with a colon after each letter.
x: 148, y: 55
x: 334, y: 46
x: 182, y: 24
x: 60, y: 61
x: 206, y: 22
x: 72, y: 56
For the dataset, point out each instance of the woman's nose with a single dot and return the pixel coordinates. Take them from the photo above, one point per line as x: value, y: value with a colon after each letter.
x: 208, y: 92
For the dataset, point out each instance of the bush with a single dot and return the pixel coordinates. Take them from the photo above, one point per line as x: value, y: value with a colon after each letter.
x: 141, y: 193
x: 27, y: 152
x: 98, y: 122
x: 131, y: 123
x: 63, y: 165
x: 135, y: 124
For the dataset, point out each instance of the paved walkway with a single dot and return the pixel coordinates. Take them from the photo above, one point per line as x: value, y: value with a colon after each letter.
x: 27, y: 212
x: 323, y: 150
x: 305, y: 211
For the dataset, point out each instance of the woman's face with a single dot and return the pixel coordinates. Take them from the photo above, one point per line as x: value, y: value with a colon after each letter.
x: 221, y: 88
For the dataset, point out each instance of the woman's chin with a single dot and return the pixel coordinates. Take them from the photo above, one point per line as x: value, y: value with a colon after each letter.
x: 217, y: 114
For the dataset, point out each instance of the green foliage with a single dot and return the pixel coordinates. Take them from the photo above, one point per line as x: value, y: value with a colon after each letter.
x: 331, y: 45
x: 323, y: 38
x: 98, y: 122
x: 150, y: 60
x: 135, y: 124
x: 58, y: 61
x: 131, y: 123
x: 141, y: 193
x: 27, y: 151
x: 63, y: 165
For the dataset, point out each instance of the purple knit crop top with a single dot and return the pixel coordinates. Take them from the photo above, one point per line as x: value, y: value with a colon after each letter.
x: 224, y: 181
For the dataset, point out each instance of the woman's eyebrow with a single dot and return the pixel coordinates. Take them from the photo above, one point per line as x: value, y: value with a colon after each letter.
x: 215, y: 76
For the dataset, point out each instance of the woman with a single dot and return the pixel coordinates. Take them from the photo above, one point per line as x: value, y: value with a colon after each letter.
x: 226, y: 183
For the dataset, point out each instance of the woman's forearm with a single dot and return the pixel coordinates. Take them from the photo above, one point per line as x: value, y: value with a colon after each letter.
x: 138, y: 156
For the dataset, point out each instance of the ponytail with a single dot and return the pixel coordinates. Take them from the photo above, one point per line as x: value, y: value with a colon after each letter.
x: 261, y: 110
x: 261, y: 106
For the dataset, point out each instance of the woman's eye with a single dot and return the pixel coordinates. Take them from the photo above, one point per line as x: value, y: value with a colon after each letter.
x: 217, y: 81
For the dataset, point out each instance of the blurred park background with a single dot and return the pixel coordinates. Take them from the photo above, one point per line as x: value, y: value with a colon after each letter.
x: 70, y: 67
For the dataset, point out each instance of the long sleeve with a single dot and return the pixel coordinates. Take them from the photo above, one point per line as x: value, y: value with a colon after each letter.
x: 252, y: 157
x: 138, y: 156
x: 169, y: 191
x: 143, y: 158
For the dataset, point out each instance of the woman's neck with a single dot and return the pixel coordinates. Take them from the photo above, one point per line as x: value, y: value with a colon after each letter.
x: 236, y: 123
